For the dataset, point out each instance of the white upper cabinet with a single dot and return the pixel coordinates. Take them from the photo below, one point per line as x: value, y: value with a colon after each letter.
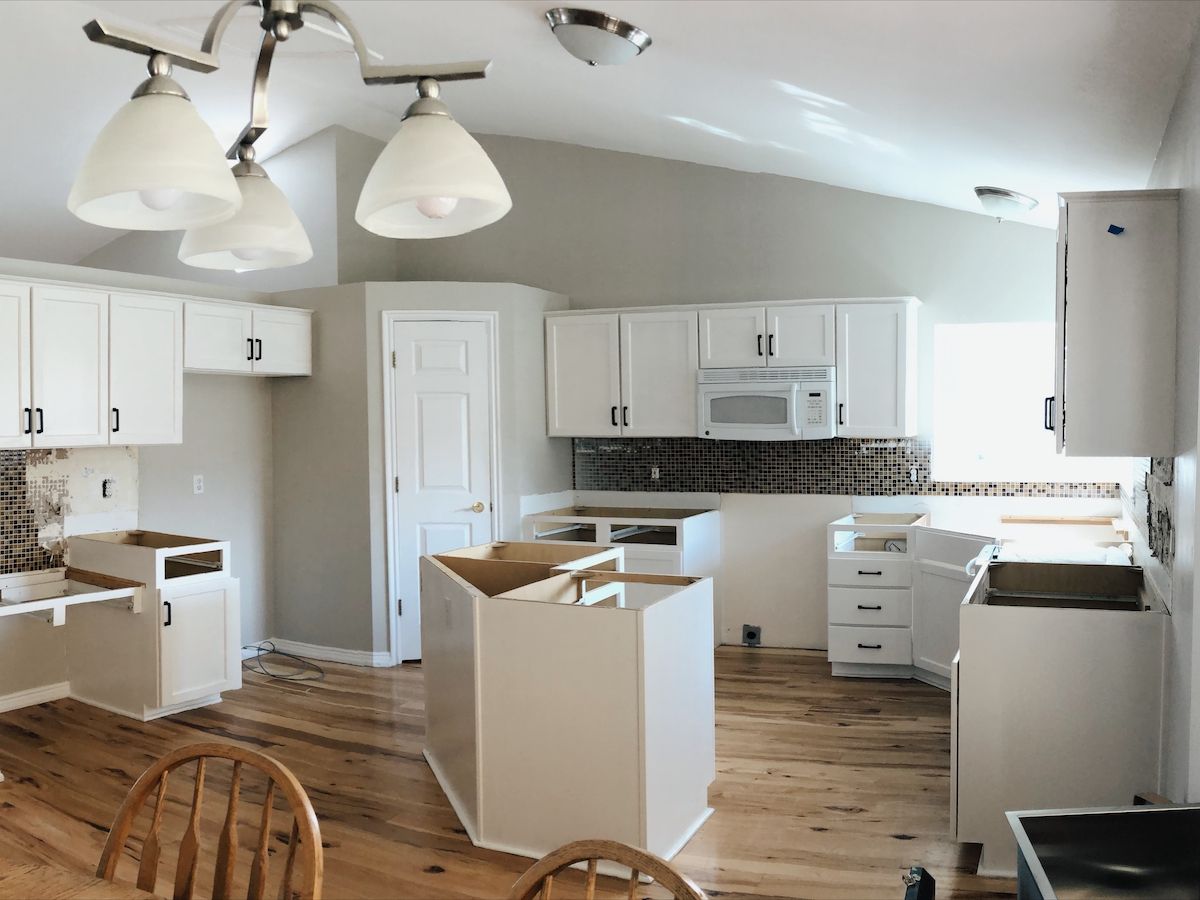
x: 146, y: 369
x: 733, y: 337
x: 16, y: 408
x: 218, y: 337
x: 69, y: 331
x: 659, y: 359
x: 282, y: 342
x: 1118, y: 265
x: 800, y: 335
x: 583, y: 376
x: 876, y: 369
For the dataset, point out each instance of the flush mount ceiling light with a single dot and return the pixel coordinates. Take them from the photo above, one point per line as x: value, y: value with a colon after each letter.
x: 595, y: 37
x: 431, y: 180
x: 1003, y: 203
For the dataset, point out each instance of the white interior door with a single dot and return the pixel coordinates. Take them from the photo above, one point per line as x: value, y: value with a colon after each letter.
x: 146, y: 369
x: 16, y: 410
x: 658, y: 374
x: 70, y: 367
x: 940, y: 582
x: 442, y: 440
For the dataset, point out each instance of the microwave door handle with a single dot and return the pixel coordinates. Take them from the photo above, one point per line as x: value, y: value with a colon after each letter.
x: 794, y: 406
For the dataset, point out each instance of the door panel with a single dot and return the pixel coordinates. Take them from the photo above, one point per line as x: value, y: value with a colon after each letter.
x: 146, y: 370
x: 442, y: 451
x: 199, y: 648
x: 583, y: 376
x: 872, y: 360
x: 15, y: 406
x: 70, y: 367
x: 217, y: 337
x: 733, y: 337
x: 659, y: 360
x: 282, y: 342
x: 800, y: 336
x: 940, y: 581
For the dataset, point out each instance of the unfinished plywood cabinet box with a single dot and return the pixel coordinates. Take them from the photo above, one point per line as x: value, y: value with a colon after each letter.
x: 556, y: 707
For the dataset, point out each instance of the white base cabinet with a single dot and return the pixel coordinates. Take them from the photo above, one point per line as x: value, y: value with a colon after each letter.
x: 183, y: 652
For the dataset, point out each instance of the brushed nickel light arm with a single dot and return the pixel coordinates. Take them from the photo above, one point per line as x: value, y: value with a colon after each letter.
x: 279, y: 18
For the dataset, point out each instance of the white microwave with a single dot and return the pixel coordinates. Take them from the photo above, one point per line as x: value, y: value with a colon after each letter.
x: 786, y: 404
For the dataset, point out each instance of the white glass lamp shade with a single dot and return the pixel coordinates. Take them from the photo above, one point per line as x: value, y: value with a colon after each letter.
x: 156, y: 166
x: 431, y: 161
x: 264, y: 234
x: 595, y: 46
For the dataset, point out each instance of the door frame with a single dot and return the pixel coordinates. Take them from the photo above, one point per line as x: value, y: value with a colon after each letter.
x: 390, y: 318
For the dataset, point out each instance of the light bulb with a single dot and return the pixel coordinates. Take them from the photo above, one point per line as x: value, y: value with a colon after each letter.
x: 160, y: 198
x: 249, y: 254
x: 436, y: 207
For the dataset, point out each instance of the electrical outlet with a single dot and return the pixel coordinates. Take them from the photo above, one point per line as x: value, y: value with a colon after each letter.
x: 751, y: 635
x: 654, y: 473
x: 108, y: 488
x: 197, y: 484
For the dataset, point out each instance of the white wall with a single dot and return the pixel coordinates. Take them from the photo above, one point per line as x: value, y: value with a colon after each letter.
x: 1178, y: 165
x: 227, y: 439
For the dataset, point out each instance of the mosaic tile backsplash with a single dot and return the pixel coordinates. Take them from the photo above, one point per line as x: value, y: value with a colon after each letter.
x: 838, y: 466
x: 20, y: 550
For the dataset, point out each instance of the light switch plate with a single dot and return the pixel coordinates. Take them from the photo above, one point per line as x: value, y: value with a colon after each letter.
x: 197, y: 484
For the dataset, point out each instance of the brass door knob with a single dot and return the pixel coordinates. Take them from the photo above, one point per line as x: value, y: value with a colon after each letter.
x: 477, y: 506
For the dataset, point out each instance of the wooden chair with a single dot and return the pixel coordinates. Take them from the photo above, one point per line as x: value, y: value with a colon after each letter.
x: 305, y: 830
x: 540, y: 877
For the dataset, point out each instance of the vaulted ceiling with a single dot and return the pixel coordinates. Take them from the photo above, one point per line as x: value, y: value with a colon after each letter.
x: 918, y: 99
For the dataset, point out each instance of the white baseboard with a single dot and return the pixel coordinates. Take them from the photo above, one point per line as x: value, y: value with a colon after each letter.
x: 34, y: 696
x: 366, y: 658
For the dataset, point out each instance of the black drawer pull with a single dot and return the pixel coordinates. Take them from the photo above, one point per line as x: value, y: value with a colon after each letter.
x: 1048, y: 414
x: 614, y: 417
x: 41, y: 420
x: 760, y: 353
x: 862, y: 606
x: 28, y: 420
x: 870, y: 646
x: 167, y: 624
x: 862, y: 572
x: 249, y: 349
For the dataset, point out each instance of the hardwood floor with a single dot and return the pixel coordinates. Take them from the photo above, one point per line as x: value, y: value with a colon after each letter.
x: 825, y: 788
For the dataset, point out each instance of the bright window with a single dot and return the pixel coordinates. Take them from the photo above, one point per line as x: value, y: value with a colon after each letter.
x: 990, y: 384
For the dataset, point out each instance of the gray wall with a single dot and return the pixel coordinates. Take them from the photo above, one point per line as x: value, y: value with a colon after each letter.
x: 1178, y: 165
x: 617, y: 229
x: 227, y: 439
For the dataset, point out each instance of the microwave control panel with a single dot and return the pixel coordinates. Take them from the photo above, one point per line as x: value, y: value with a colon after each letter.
x: 816, y: 410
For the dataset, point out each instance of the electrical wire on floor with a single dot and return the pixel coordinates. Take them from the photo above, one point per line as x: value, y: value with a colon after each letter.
x: 302, y: 669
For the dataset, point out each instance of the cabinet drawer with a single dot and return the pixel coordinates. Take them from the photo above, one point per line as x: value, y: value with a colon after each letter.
x: 859, y: 644
x: 870, y: 606
x: 654, y: 562
x: 870, y: 572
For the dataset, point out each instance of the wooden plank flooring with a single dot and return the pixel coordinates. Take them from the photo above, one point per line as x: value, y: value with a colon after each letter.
x: 825, y: 788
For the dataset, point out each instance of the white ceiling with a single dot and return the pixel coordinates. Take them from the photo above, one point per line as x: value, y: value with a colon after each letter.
x: 919, y: 99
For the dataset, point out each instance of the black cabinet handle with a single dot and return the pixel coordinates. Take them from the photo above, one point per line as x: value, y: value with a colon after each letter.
x: 1048, y: 414
x: 760, y: 353
x: 28, y: 420
x: 841, y: 413
x: 870, y: 646
x: 258, y: 341
x: 167, y: 624
x: 865, y: 572
x: 249, y: 349
x: 41, y: 420
x: 116, y: 420
x: 861, y: 606
x: 614, y: 417
x: 771, y: 345
x: 625, y: 416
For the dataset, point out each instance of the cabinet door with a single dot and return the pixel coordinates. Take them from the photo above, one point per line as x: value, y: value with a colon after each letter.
x: 583, y: 376
x: 940, y: 582
x: 282, y: 342
x: 800, y: 336
x: 16, y: 410
x: 733, y: 337
x: 70, y: 367
x: 199, y: 641
x: 146, y: 370
x: 876, y: 391
x: 218, y: 337
x: 659, y: 359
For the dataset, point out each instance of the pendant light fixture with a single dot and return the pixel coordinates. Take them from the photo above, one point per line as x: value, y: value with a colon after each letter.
x: 175, y: 179
x: 432, y: 180
x: 264, y: 234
